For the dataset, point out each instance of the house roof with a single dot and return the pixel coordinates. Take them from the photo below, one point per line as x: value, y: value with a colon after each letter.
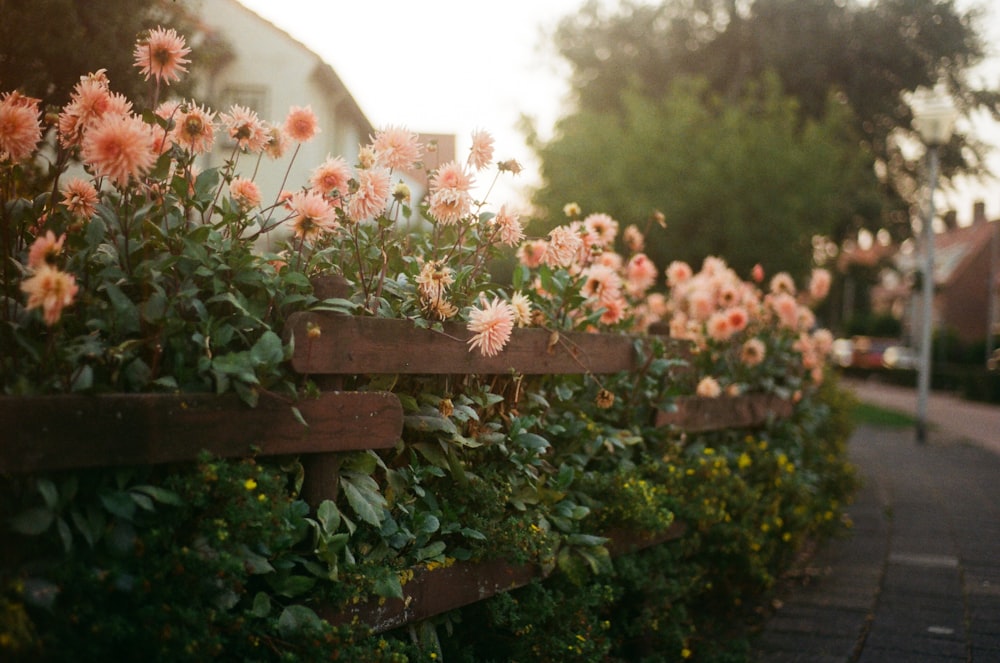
x: 953, y: 251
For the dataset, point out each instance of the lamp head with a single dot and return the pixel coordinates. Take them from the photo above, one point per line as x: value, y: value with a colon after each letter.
x: 934, y: 114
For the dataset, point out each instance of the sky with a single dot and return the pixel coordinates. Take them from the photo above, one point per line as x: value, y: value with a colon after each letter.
x: 456, y: 66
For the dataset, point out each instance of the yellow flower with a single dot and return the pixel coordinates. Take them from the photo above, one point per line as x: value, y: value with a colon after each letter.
x: 744, y: 461
x: 250, y: 484
x: 686, y: 653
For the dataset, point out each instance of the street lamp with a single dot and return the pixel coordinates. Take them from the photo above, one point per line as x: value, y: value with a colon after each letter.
x: 934, y: 117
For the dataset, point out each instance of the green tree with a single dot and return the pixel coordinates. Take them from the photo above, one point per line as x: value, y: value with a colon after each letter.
x: 46, y: 45
x: 748, y: 181
x: 868, y: 54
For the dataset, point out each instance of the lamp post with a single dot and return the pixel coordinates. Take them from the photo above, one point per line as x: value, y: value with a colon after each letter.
x: 934, y: 117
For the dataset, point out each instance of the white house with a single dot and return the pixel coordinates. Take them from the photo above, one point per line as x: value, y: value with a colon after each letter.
x: 269, y: 72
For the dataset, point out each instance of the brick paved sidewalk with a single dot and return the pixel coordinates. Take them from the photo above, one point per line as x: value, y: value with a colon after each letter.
x: 919, y: 579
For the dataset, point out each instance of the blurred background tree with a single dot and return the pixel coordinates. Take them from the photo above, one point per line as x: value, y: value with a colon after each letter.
x: 47, y: 45
x: 736, y: 179
x: 845, y: 65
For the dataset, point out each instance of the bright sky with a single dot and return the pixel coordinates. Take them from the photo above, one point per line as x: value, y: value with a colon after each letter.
x: 454, y: 66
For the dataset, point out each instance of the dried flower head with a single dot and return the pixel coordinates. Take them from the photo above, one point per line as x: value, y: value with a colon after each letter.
x: 510, y: 166
x: 605, y: 399
x: 401, y: 192
x: 434, y: 279
x: 277, y: 142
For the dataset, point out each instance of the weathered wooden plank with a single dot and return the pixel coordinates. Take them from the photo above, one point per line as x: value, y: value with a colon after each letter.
x: 623, y: 541
x: 435, y: 591
x: 341, y: 344
x: 75, y: 431
x: 695, y: 415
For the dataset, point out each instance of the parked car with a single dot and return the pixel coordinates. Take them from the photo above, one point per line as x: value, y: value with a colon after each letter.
x: 869, y: 351
x: 900, y: 357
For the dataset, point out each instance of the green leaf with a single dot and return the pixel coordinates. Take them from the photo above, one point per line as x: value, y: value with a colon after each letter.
x: 32, y: 522
x: 598, y: 558
x: 389, y: 587
x: 126, y: 313
x: 408, y: 401
x: 470, y: 533
x: 290, y: 586
x: 365, y: 462
x: 50, y: 495
x: 431, y: 551
x: 328, y: 516
x: 65, y: 535
x: 532, y: 441
x: 155, y: 307
x: 254, y: 563
x: 90, y: 528
x: 83, y: 379
x: 426, y: 523
x: 268, y: 350
x: 295, y: 618
x: 261, y: 605
x: 161, y: 495
x: 336, y: 305
x: 430, y: 423
x: 586, y: 540
x: 143, y: 501
x: 433, y: 453
x: 367, y: 504
x: 119, y: 504
x: 297, y: 414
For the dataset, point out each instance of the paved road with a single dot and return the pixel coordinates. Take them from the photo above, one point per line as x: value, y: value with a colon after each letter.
x: 919, y: 578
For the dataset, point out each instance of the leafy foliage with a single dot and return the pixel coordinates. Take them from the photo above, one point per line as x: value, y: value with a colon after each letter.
x: 744, y: 180
x: 866, y: 54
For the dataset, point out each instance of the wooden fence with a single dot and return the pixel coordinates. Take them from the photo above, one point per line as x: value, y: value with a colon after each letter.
x: 75, y: 431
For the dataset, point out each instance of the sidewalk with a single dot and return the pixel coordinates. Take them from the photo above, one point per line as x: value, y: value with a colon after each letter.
x: 919, y: 578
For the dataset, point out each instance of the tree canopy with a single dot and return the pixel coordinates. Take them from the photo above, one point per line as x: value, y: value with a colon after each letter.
x: 865, y: 55
x: 47, y: 45
x: 739, y: 180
